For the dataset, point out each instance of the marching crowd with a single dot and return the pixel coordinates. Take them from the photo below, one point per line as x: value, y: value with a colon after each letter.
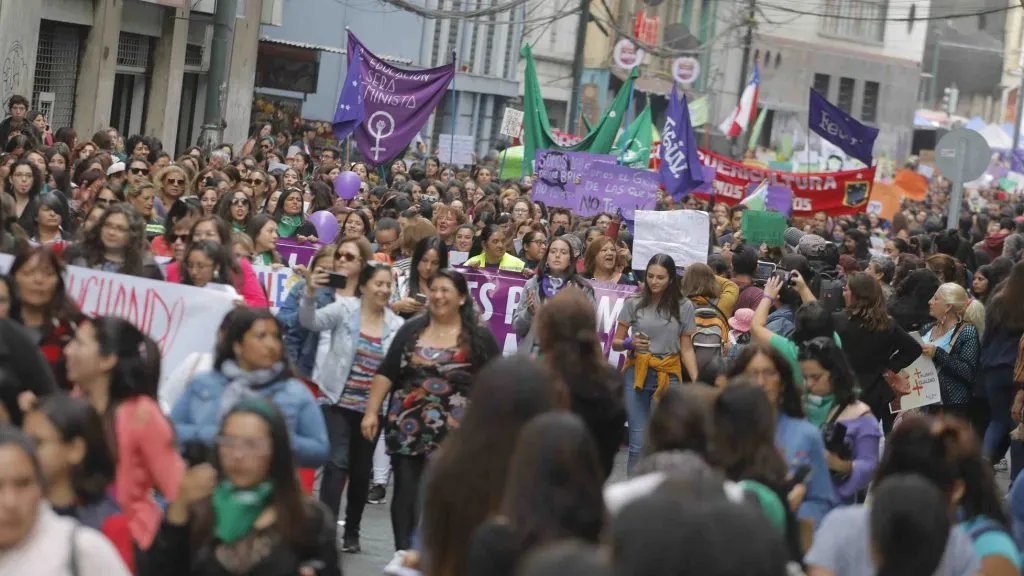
x: 759, y: 400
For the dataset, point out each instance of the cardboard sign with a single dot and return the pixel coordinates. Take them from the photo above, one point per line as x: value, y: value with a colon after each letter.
x: 764, y: 228
x: 682, y: 234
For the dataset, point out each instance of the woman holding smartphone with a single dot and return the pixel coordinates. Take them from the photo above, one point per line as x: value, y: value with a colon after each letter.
x: 661, y: 323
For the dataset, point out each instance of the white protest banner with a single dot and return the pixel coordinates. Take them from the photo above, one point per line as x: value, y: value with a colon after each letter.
x: 181, y: 319
x: 458, y: 149
x: 511, y: 123
x: 682, y: 234
x: 922, y: 380
x: 277, y: 283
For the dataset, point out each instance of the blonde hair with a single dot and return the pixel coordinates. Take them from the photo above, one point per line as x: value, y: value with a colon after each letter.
x: 975, y: 316
x: 965, y: 309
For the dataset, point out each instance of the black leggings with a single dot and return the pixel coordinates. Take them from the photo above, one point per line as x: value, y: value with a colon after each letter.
x: 405, y: 505
x: 351, y: 460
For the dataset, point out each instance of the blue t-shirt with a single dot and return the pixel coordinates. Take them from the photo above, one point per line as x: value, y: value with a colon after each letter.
x: 991, y: 542
x: 801, y: 444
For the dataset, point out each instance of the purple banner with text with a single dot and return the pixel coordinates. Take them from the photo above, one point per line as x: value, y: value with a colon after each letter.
x: 589, y: 184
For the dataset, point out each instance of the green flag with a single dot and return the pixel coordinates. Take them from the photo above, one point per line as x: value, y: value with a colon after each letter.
x: 755, y: 134
x: 537, y: 128
x: 786, y: 148
x: 699, y: 111
x: 634, y: 147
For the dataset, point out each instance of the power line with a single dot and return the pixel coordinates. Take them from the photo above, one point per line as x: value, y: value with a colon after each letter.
x: 890, y: 19
x: 434, y: 14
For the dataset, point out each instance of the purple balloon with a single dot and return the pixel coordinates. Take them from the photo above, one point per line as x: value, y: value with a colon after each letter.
x: 346, y: 185
x: 326, y: 226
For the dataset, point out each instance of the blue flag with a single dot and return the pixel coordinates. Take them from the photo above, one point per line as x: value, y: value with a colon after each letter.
x: 350, y: 111
x: 841, y: 129
x: 681, y: 169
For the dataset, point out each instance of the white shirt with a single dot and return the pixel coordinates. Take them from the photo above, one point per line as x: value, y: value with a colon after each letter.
x: 47, y: 550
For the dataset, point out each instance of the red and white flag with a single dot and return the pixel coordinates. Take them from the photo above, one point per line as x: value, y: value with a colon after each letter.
x: 740, y: 117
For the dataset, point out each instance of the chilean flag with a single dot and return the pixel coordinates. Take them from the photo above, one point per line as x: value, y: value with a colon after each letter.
x: 740, y: 118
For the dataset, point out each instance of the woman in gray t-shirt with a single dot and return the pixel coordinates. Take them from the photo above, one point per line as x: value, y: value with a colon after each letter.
x: 655, y: 328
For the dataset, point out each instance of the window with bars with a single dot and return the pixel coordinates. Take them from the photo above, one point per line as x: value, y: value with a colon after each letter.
x: 509, y: 65
x: 489, y: 43
x: 193, y: 56
x: 821, y: 82
x: 856, y: 19
x: 845, y: 100
x: 57, y: 61
x: 133, y: 53
x: 471, y: 63
x: 869, y: 108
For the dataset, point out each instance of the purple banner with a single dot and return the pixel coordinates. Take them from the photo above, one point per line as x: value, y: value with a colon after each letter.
x: 780, y: 199
x: 294, y: 253
x: 385, y: 106
x: 498, y: 294
x: 589, y: 184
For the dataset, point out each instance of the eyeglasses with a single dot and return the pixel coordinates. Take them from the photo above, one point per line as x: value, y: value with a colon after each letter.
x: 139, y: 171
x: 174, y: 182
x: 104, y: 201
x: 239, y: 201
x: 185, y: 238
x: 254, y: 181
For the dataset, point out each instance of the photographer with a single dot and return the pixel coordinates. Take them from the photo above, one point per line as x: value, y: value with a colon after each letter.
x: 851, y: 433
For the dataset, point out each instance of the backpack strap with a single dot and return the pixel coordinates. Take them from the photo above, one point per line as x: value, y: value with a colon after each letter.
x: 73, y: 556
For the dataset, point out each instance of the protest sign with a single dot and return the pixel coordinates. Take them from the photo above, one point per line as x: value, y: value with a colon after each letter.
x: 277, y: 283
x: 179, y: 318
x: 497, y: 295
x: 780, y: 199
x: 763, y: 228
x: 511, y: 123
x: 682, y: 234
x: 590, y: 183
x: 456, y: 148
x: 836, y: 193
x: 921, y: 379
x: 295, y: 254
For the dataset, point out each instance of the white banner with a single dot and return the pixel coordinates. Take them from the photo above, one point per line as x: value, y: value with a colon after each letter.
x: 682, y: 234
x: 181, y: 319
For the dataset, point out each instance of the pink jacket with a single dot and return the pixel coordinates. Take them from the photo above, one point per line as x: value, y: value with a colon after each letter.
x: 249, y: 288
x: 147, y: 458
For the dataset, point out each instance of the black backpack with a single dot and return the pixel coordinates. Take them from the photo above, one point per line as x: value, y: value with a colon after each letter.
x: 830, y: 291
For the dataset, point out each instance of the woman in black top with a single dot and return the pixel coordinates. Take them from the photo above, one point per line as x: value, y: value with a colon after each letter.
x: 429, y: 368
x: 244, y: 513
x: 571, y: 351
x: 873, y: 342
x: 554, y: 493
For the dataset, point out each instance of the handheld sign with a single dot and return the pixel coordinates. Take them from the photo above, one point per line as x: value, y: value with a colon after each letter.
x: 764, y: 228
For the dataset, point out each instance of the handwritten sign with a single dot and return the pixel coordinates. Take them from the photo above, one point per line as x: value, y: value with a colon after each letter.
x: 589, y: 184
x: 764, y: 228
x: 682, y: 234
x: 921, y: 380
x: 458, y: 148
x: 511, y: 123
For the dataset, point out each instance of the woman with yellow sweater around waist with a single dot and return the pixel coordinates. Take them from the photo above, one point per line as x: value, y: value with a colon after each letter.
x: 494, y: 256
x: 655, y: 327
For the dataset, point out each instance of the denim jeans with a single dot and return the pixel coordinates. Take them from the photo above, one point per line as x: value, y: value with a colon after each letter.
x: 1000, y: 389
x: 639, y: 404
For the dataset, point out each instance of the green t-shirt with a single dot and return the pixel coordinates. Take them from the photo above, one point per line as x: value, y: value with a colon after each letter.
x: 790, y: 350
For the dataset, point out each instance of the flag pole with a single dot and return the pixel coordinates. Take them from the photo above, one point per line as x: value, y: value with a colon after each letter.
x: 455, y: 109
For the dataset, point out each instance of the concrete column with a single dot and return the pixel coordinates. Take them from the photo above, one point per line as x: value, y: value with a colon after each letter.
x: 19, y: 31
x: 95, y: 93
x: 168, y: 72
x: 242, y: 74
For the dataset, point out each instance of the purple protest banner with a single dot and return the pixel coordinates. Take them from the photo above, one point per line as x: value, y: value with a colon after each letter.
x: 780, y: 199
x: 589, y: 184
x: 294, y: 253
x: 385, y: 106
x: 497, y: 295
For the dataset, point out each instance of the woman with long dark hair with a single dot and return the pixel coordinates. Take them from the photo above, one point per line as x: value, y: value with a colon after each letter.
x: 873, y: 342
x: 429, y: 369
x: 506, y: 395
x: 244, y: 512
x: 656, y: 329
x: 117, y: 243
x: 288, y: 213
x: 1004, y: 325
x: 236, y: 209
x: 250, y: 362
x: 117, y: 369
x: 849, y: 429
x: 412, y: 286
x: 553, y: 494
x: 206, y: 263
x: 24, y: 184
x: 44, y: 306
x: 557, y: 272
x: 572, y: 353
x: 245, y: 282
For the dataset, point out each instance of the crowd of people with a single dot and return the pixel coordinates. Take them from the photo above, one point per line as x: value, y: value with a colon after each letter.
x: 758, y: 402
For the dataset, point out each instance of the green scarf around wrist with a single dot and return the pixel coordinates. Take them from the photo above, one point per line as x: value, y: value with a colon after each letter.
x: 235, y: 510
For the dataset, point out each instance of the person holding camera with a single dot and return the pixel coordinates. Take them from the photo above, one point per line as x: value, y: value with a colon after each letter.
x: 361, y: 330
x: 851, y: 433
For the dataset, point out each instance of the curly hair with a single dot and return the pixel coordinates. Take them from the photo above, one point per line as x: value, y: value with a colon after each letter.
x: 94, y: 251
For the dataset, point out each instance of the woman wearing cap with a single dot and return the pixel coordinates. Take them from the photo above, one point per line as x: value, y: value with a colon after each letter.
x: 739, y: 331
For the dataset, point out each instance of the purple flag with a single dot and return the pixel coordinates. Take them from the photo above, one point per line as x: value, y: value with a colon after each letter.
x: 780, y: 199
x: 841, y: 129
x: 1017, y: 160
x: 680, y: 164
x: 383, y: 105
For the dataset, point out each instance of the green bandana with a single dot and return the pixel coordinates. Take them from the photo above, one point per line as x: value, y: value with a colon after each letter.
x: 818, y: 408
x: 235, y: 510
x: 287, y: 226
x: 236, y: 227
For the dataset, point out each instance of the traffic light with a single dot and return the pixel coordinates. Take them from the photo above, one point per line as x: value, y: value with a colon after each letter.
x: 950, y: 97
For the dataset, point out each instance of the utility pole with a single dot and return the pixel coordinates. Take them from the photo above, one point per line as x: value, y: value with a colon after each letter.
x: 217, y: 86
x: 577, y: 66
x: 933, y: 90
x: 748, y: 39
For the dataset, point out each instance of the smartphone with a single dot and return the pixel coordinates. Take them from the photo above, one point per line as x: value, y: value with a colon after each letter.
x: 421, y: 298
x: 337, y: 281
x: 764, y: 270
x: 801, y: 474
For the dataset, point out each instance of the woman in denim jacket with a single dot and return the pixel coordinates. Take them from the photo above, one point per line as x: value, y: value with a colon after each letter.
x: 250, y: 362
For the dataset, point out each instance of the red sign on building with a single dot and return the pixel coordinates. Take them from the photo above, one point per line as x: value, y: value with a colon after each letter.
x: 645, y: 28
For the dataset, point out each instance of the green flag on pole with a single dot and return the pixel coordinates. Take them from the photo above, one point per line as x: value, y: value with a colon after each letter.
x: 699, y: 111
x: 537, y: 128
x: 755, y: 134
x: 634, y: 147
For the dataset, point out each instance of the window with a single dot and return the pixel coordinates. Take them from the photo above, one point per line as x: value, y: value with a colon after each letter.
x: 857, y: 19
x: 821, y: 84
x: 869, y: 108
x: 846, y: 87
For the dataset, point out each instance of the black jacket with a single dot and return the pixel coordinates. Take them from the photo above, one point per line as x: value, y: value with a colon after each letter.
x: 22, y: 367
x: 871, y: 353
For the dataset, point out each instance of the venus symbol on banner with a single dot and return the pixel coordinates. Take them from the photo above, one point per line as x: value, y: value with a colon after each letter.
x: 382, y: 125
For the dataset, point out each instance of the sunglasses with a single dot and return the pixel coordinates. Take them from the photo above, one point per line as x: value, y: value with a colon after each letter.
x: 347, y: 257
x: 239, y: 202
x: 139, y: 171
x: 254, y: 181
x: 174, y: 182
x: 186, y: 238
x: 103, y: 201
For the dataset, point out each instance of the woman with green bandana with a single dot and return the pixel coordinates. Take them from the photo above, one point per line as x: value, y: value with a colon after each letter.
x: 288, y: 213
x: 245, y: 512
x: 851, y: 433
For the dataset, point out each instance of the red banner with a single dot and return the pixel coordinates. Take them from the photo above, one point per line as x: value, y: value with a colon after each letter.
x: 836, y: 193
